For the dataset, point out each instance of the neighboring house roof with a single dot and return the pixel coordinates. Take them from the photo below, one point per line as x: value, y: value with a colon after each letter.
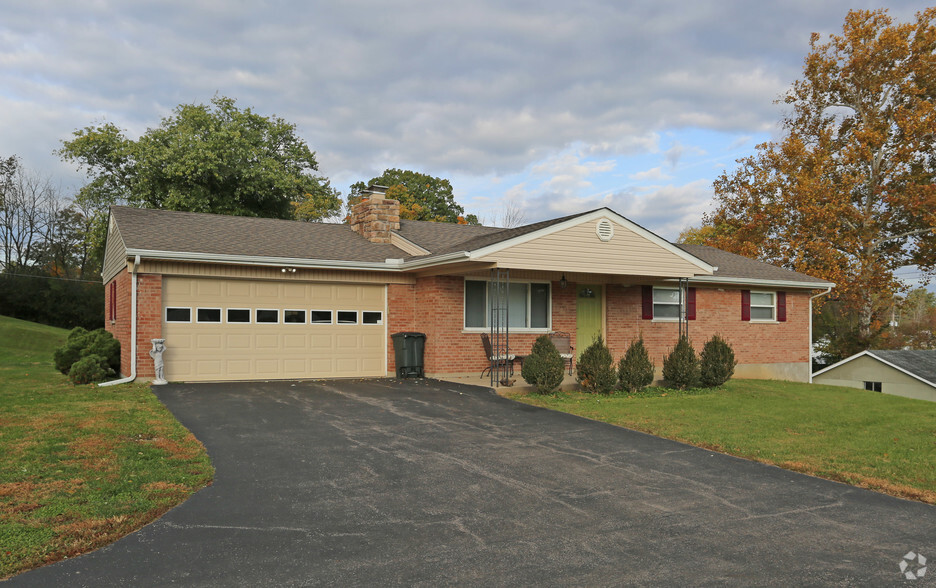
x: 732, y: 267
x: 233, y: 239
x: 919, y: 363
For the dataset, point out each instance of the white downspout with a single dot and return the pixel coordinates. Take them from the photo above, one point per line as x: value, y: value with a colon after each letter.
x: 132, y: 376
x: 827, y: 290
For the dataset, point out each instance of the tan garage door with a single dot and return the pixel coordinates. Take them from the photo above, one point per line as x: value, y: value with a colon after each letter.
x: 219, y: 329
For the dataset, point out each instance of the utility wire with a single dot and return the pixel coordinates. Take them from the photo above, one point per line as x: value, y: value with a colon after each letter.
x: 52, y: 278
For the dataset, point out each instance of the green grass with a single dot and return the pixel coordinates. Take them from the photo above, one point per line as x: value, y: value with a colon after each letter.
x: 80, y: 466
x: 885, y: 443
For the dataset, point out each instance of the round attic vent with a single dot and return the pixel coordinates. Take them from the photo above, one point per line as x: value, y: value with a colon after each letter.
x: 604, y: 229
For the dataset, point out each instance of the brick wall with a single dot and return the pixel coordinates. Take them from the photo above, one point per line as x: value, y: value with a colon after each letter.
x: 149, y: 319
x: 718, y: 310
x: 439, y: 312
x: 401, y: 316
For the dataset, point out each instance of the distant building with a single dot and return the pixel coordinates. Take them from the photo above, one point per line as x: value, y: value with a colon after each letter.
x: 910, y: 373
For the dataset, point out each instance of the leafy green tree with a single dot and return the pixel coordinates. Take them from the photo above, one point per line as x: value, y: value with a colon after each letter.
x: 848, y: 193
x: 203, y: 158
x: 421, y: 196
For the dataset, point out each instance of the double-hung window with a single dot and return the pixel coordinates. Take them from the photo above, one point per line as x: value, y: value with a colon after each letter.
x: 524, y: 305
x: 763, y: 306
x: 665, y: 304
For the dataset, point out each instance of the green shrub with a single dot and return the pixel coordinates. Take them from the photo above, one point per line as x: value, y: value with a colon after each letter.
x: 716, y: 362
x: 101, y: 342
x: 544, y: 368
x: 635, y: 370
x: 81, y: 343
x: 595, y: 371
x: 90, y: 368
x: 681, y: 367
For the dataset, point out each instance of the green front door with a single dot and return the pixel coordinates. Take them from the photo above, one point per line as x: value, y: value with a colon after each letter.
x: 587, y: 316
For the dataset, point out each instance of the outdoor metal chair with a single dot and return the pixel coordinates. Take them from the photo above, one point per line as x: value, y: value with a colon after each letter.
x: 502, y: 360
x: 563, y: 342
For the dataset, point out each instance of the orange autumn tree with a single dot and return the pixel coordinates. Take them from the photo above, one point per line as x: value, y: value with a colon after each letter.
x: 847, y: 194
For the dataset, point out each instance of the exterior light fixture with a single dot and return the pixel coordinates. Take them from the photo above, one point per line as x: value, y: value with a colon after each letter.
x: 563, y: 282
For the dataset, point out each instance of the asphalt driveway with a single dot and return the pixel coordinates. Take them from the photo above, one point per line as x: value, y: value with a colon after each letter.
x: 428, y: 483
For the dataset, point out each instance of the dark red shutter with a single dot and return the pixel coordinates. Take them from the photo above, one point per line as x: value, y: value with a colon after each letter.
x: 781, y: 306
x: 112, y: 315
x: 647, y: 302
x: 690, y: 304
x: 745, y: 305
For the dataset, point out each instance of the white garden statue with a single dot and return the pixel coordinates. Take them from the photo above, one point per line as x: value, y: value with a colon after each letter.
x: 159, y: 345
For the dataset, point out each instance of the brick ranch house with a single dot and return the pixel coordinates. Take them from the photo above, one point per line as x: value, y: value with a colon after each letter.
x: 256, y: 299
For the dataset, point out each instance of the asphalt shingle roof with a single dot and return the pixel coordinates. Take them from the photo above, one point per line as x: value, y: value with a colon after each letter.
x: 919, y: 362
x: 737, y: 266
x: 192, y: 232
x: 168, y: 230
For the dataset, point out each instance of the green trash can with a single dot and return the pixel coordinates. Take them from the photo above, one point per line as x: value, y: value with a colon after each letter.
x: 408, y: 352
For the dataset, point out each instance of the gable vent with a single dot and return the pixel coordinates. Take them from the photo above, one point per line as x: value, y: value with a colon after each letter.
x: 604, y: 229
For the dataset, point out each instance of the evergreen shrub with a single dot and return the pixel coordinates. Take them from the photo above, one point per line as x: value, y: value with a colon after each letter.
x: 681, y: 367
x: 544, y: 368
x: 90, y: 368
x: 635, y: 370
x: 717, y: 362
x: 82, y: 343
x: 595, y: 370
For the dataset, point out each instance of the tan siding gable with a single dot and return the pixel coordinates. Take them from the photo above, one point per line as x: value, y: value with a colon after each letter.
x: 115, y: 255
x: 579, y: 248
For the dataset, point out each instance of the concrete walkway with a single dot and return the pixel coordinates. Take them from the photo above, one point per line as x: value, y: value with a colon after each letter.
x: 429, y: 483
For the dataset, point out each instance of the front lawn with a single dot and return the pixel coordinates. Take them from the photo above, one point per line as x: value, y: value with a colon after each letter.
x: 885, y: 443
x: 80, y: 466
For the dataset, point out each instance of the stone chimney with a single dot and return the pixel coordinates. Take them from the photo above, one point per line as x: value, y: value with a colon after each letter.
x: 375, y: 216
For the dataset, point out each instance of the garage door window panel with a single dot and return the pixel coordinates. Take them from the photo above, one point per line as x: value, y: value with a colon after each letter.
x: 320, y: 317
x: 238, y: 316
x: 267, y: 316
x: 208, y: 315
x: 294, y: 317
x: 347, y: 317
x: 178, y: 314
x: 372, y: 317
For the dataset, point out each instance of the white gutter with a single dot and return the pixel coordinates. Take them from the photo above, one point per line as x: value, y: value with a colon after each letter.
x: 133, y: 328
x: 827, y: 290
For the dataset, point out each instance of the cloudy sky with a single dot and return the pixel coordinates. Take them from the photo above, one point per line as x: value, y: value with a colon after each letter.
x: 555, y: 106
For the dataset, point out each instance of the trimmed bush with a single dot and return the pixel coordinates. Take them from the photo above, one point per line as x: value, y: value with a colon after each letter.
x: 544, y: 368
x: 595, y: 370
x: 90, y: 368
x: 81, y: 343
x: 681, y: 367
x: 635, y: 370
x: 716, y: 362
x: 101, y: 342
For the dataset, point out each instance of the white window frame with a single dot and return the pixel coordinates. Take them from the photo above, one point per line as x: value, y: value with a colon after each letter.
x: 331, y: 314
x: 166, y: 314
x: 302, y: 310
x: 379, y: 319
x: 529, y: 307
x: 249, y: 320
x: 257, y: 320
x: 217, y: 322
x: 772, y: 306
x: 357, y: 318
x: 681, y: 308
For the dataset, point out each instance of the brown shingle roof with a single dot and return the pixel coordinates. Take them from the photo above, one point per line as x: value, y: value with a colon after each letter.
x: 213, y: 234
x: 736, y: 266
x: 193, y: 232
